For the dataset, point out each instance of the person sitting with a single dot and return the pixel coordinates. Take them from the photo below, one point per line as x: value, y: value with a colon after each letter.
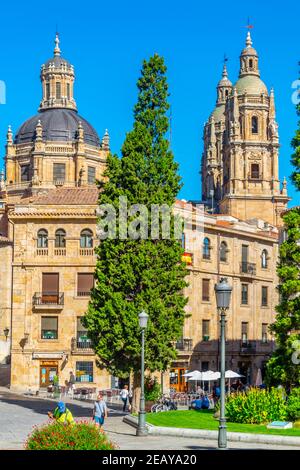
x: 62, y: 414
x: 196, y: 404
x: 205, y: 403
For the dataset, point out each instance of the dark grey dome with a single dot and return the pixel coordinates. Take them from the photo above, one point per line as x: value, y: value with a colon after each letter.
x: 58, y: 125
x: 58, y: 62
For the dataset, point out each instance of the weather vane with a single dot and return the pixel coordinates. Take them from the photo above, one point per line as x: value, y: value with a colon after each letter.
x: 249, y: 26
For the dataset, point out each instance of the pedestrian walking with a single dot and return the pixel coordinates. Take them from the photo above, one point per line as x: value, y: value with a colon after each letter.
x: 130, y: 398
x: 100, y: 410
x: 72, y: 380
x: 124, y: 396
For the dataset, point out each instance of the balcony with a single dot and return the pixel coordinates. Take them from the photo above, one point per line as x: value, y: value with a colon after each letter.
x: 86, y: 252
x: 248, y: 269
x: 60, y: 252
x: 81, y: 345
x: 248, y: 348
x: 42, y: 252
x: 48, y: 301
x: 184, y: 344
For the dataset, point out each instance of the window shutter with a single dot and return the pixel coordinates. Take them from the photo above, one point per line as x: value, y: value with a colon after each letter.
x: 49, y: 323
x: 80, y: 326
x: 50, y: 282
x: 205, y: 327
x: 205, y: 289
x: 85, y: 283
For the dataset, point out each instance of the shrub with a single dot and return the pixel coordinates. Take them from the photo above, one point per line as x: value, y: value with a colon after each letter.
x: 293, y: 404
x: 152, y: 388
x: 84, y: 435
x: 256, y: 406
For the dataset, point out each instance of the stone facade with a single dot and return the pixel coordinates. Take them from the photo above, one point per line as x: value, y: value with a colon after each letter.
x: 241, y: 147
x: 248, y: 346
x: 48, y: 202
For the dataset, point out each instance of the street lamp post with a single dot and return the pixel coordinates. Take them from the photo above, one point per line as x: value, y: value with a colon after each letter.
x: 141, y: 429
x: 223, y: 293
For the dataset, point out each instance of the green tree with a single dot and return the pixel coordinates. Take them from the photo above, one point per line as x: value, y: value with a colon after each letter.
x: 143, y: 273
x: 283, y: 367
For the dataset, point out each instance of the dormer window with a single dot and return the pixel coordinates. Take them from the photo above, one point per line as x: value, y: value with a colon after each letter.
x: 254, y: 125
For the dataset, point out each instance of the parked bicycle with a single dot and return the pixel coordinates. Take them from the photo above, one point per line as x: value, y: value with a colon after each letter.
x: 164, y: 404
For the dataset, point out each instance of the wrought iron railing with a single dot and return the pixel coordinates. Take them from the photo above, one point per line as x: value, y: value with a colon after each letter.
x: 184, y: 344
x: 48, y: 298
x: 248, y: 268
x: 248, y: 347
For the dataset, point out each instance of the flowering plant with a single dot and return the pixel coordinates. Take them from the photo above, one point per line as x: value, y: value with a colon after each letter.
x: 55, y: 436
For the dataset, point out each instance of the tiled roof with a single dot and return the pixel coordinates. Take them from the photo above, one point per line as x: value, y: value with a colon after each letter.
x: 67, y: 196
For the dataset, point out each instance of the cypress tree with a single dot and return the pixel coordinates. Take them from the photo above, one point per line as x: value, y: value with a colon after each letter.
x: 142, y: 273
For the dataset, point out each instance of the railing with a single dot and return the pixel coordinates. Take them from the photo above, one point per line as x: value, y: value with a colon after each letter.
x: 48, y: 298
x: 79, y: 345
x: 248, y: 268
x: 184, y: 344
x: 42, y: 252
x: 60, y: 252
x: 83, y: 293
x: 86, y: 252
x: 248, y: 347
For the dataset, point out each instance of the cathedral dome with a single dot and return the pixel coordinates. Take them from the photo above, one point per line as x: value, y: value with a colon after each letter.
x: 252, y: 84
x: 58, y: 125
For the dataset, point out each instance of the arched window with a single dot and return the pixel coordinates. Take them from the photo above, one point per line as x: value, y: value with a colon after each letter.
x: 254, y: 127
x: 206, y: 248
x: 60, y: 238
x: 264, y: 259
x: 251, y: 63
x: 86, y: 239
x: 42, y: 238
x: 223, y: 251
x: 226, y: 93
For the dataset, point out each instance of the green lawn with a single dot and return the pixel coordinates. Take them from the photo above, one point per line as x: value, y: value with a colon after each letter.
x: 204, y: 420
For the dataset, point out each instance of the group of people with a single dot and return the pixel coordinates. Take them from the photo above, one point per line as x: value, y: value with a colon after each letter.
x: 63, y: 415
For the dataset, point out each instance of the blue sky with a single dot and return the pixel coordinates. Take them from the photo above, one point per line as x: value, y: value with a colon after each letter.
x: 107, y: 42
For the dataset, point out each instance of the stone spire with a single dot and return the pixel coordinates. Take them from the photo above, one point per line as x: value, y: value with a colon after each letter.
x: 39, y: 131
x: 249, y: 40
x: 80, y: 135
x: 224, y: 86
x: 9, y: 136
x: 105, y: 141
x: 272, y: 112
x: 56, y: 49
x: 249, y: 59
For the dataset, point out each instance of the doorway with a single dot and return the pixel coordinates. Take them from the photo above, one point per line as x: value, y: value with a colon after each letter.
x: 177, y: 381
x: 48, y: 370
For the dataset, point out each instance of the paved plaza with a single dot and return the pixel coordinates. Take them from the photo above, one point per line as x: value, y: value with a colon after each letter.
x: 19, y: 413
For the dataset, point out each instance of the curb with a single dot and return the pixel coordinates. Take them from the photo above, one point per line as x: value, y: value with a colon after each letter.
x: 213, y: 435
